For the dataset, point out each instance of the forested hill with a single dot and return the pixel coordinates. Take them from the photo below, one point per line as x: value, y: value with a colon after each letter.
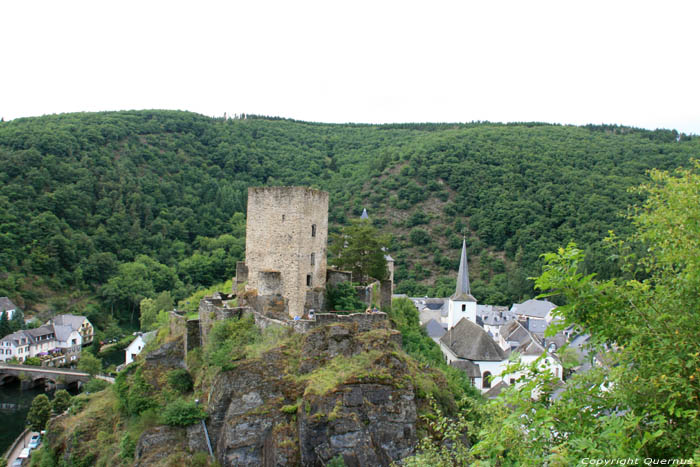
x: 123, y: 205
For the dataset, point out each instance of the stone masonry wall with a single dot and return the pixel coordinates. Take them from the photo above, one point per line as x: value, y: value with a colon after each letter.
x: 285, y: 227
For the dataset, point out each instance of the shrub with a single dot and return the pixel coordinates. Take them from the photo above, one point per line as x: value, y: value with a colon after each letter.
x: 337, y: 461
x: 95, y: 385
x: 134, y: 396
x: 39, y: 413
x: 182, y: 413
x: 180, y: 380
x: 227, y: 341
x: 343, y: 297
x: 61, y: 401
x: 127, y: 447
x: 32, y: 361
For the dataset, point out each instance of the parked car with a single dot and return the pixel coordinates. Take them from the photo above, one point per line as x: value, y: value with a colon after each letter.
x: 34, y: 442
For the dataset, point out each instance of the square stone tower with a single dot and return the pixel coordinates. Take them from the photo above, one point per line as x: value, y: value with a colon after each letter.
x: 286, y: 236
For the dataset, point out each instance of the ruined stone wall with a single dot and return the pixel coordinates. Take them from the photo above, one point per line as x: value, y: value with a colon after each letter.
x: 192, y: 338
x: 285, y: 227
x: 178, y: 323
x: 335, y: 277
x: 210, y: 311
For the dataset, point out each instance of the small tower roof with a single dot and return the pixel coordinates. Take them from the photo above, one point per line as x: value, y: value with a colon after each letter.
x: 364, y: 214
x: 463, y: 291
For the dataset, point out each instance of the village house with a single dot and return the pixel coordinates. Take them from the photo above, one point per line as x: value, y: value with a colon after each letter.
x: 57, y: 342
x: 482, y: 340
x: 8, y: 307
x: 137, y: 345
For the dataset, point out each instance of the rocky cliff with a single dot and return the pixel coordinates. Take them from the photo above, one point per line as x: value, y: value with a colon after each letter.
x: 303, y: 400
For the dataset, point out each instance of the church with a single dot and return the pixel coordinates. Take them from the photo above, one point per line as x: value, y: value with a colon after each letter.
x: 483, y: 350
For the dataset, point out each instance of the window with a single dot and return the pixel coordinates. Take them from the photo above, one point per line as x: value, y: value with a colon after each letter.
x: 487, y: 380
x: 512, y: 381
x: 282, y: 217
x: 464, y: 307
x: 308, y: 280
x: 313, y: 230
x: 313, y: 259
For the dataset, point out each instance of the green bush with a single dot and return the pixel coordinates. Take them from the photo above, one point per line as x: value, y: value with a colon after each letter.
x: 180, y: 380
x: 61, y: 401
x: 95, y: 385
x: 182, y: 413
x: 337, y: 461
x: 343, y: 297
x: 127, y: 447
x: 135, y: 395
x: 227, y: 341
x: 32, y: 361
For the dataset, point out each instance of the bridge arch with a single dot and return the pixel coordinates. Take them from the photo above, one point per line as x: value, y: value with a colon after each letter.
x: 6, y: 378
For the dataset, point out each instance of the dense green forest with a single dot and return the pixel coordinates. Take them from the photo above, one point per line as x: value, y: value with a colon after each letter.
x: 118, y: 206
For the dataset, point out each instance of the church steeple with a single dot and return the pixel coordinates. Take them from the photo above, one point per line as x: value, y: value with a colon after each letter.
x: 462, y: 304
x: 463, y: 274
x: 364, y: 214
x: 463, y: 290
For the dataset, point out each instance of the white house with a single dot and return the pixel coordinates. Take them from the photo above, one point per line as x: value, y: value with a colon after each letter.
x: 534, y: 309
x: 7, y: 307
x: 137, y: 345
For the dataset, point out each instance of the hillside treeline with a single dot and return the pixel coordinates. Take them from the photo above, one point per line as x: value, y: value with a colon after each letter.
x: 125, y: 205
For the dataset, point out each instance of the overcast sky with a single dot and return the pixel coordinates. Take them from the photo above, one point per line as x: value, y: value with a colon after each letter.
x: 627, y: 62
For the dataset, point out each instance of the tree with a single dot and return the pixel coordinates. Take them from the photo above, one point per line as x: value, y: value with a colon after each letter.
x: 90, y: 364
x: 39, y: 413
x: 4, y: 325
x: 644, y: 400
x: 360, y: 248
x: 151, y: 307
x: 60, y: 402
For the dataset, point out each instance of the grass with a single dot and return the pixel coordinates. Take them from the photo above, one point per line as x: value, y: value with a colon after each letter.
x: 341, y: 369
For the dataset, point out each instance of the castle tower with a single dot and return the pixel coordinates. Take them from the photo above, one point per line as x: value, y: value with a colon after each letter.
x: 462, y: 304
x: 286, y: 235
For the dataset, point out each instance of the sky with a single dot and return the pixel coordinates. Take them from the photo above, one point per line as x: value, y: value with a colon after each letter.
x: 632, y: 63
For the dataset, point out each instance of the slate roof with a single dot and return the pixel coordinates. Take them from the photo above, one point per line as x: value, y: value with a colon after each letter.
x: 6, y: 304
x: 463, y: 290
x: 40, y: 331
x: 470, y: 368
x: 434, y: 329
x: 469, y: 341
x: 537, y: 326
x: 69, y: 320
x: 16, y: 337
x: 494, y: 315
x: 533, y: 308
x: 495, y: 390
x: 62, y: 332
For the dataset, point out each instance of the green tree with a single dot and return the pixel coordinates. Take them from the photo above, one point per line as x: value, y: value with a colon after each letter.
x: 644, y: 325
x: 4, y: 325
x: 90, y: 364
x: 61, y: 401
x: 151, y: 307
x: 32, y: 361
x: 39, y: 413
x: 360, y: 248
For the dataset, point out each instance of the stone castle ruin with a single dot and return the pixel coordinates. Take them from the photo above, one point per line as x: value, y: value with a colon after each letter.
x: 283, y: 279
x: 286, y: 236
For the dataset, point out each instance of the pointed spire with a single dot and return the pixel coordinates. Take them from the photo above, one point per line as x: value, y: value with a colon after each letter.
x: 463, y: 289
x: 364, y: 214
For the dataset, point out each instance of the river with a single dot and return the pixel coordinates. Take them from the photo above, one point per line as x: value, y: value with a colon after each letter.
x: 14, y: 405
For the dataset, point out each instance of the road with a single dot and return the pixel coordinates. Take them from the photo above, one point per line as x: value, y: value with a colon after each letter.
x: 20, y: 445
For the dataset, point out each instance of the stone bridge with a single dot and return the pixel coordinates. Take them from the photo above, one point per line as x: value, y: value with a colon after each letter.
x: 49, y: 378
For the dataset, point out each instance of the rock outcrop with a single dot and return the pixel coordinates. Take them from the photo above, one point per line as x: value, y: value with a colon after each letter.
x: 334, y: 391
